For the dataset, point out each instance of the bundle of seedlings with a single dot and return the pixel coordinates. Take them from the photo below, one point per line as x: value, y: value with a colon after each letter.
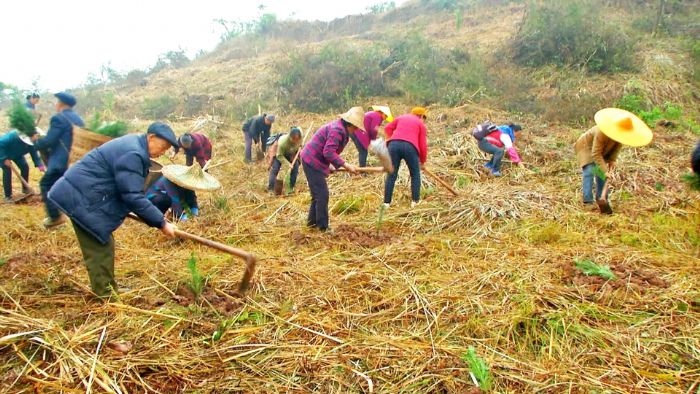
x: 110, y: 129
x: 21, y: 119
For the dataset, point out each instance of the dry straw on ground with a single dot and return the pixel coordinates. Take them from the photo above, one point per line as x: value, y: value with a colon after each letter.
x: 379, y: 308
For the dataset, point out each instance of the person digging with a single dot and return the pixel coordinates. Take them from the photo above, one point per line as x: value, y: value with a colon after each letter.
x: 317, y: 157
x: 14, y: 145
x: 497, y: 143
x: 175, y: 189
x: 281, y: 154
x: 407, y: 141
x: 373, y: 119
x: 257, y: 130
x: 57, y: 145
x: 99, y: 191
x: 196, y: 146
x: 598, y: 148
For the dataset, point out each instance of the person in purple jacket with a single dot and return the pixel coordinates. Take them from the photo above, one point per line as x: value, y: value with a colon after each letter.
x: 373, y: 119
x: 319, y: 154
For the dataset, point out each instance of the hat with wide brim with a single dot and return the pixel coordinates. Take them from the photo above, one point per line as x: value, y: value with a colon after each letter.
x: 192, y: 177
x: 385, y: 110
x: 28, y: 140
x: 623, y: 126
x: 356, y: 117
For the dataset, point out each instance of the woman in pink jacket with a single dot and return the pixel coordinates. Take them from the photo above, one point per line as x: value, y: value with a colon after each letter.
x: 373, y: 119
x: 407, y: 140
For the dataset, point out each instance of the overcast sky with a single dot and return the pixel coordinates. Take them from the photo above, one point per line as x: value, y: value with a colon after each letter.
x: 59, y: 43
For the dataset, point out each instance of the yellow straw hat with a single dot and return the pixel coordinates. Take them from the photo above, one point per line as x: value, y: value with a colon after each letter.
x: 192, y: 177
x: 356, y: 117
x: 385, y: 110
x: 623, y: 127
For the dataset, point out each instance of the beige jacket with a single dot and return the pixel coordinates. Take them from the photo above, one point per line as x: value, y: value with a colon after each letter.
x: 594, y: 146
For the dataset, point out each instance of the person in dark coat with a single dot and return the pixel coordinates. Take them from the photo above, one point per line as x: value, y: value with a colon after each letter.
x: 166, y: 195
x: 99, y: 191
x: 695, y: 159
x: 196, y: 147
x: 257, y: 129
x: 13, y: 147
x: 57, y: 144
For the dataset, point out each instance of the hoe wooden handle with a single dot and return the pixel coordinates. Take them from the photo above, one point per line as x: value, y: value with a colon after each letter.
x: 240, y: 253
x: 443, y: 183
x: 368, y: 170
x: 24, y: 183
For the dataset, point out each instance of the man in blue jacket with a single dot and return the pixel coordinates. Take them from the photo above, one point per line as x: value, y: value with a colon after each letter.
x: 13, y: 147
x: 57, y: 145
x: 100, y: 190
x: 257, y: 129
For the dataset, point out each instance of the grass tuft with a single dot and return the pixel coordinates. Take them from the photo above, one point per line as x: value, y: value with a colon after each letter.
x: 590, y: 268
x: 478, y: 367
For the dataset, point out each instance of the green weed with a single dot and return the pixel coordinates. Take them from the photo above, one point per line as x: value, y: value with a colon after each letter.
x: 348, y: 205
x: 479, y: 368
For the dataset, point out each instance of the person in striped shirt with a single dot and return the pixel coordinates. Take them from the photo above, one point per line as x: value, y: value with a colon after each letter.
x: 322, y: 152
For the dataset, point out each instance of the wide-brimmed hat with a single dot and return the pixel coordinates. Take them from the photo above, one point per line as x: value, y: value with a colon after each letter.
x: 385, y: 110
x: 623, y: 127
x: 27, y: 139
x: 192, y: 177
x: 356, y: 117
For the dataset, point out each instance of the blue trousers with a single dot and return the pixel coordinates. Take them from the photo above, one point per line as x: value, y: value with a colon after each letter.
x: 403, y: 150
x: 45, y: 184
x: 588, y: 185
x: 492, y: 149
x: 362, y: 152
x: 318, y: 187
x: 7, y: 175
x: 275, y: 170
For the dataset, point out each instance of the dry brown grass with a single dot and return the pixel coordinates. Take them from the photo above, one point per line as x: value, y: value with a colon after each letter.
x: 361, y: 311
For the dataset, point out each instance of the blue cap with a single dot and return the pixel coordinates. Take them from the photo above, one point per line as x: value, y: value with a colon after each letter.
x: 270, y: 118
x: 66, y: 98
x: 162, y: 130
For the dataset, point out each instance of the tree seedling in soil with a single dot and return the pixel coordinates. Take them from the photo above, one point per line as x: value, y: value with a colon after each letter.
x: 196, y: 283
x: 590, y: 268
x: 478, y: 369
x: 380, y: 218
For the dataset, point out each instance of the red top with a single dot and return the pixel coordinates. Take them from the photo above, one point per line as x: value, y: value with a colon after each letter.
x: 410, y: 128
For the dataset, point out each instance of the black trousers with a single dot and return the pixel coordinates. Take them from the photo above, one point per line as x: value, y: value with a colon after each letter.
x: 318, y: 186
x: 7, y: 175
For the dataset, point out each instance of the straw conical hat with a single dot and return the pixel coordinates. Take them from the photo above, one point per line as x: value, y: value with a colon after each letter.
x: 192, y: 178
x: 623, y: 127
x: 356, y: 117
x: 385, y: 110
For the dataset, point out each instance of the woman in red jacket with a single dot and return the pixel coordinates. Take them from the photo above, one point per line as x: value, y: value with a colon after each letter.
x: 407, y: 140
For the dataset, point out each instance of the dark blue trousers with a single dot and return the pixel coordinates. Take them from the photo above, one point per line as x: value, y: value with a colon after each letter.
x: 45, y: 184
x: 403, y: 150
x: 318, y: 187
x: 7, y: 175
x: 362, y: 152
x: 275, y: 170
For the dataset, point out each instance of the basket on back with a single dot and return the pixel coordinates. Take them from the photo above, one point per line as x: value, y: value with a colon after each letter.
x: 84, y: 141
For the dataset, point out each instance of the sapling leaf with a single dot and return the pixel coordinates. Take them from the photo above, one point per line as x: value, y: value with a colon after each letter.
x: 590, y: 268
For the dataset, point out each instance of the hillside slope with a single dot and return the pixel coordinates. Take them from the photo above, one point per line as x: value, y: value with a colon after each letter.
x: 386, y: 303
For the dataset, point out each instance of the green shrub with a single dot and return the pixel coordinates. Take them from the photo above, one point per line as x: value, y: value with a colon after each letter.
x: 334, y: 78
x: 431, y: 74
x: 158, y: 107
x: 650, y: 115
x: 572, y: 33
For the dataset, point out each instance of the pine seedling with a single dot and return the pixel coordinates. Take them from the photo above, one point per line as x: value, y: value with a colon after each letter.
x: 693, y: 180
x: 479, y: 369
x: 380, y: 218
x: 196, y: 279
x: 598, y: 172
x: 590, y: 268
x: 21, y: 119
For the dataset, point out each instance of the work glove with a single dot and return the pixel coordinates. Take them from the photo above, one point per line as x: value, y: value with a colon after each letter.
x: 195, y: 211
x: 183, y: 217
x: 41, y: 168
